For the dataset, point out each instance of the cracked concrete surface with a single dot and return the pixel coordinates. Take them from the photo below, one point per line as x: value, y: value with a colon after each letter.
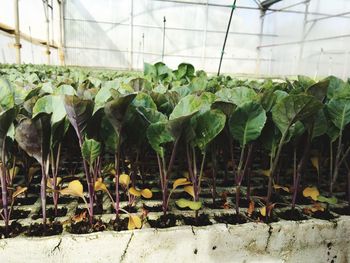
x: 283, y: 241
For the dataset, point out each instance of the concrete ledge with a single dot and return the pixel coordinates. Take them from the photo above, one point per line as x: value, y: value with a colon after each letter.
x: 284, y: 241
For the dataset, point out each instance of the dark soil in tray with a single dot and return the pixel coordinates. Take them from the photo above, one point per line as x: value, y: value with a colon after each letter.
x: 201, y: 220
x: 118, y: 224
x: 156, y: 208
x: 342, y: 210
x: 38, y: 230
x: 219, y: 204
x: 324, y: 215
x: 84, y: 227
x: 294, y: 215
x: 164, y: 221
x: 256, y: 216
x: 25, y: 201
x: 130, y: 209
x: 50, y: 213
x: 232, y: 219
x: 15, y: 229
x: 61, y: 200
x: 97, y: 210
x: 19, y: 214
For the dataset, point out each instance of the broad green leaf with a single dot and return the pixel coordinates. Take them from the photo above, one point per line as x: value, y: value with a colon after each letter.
x: 7, y: 99
x: 294, y: 108
x: 187, y: 106
x: 158, y: 134
x: 206, y: 127
x: 338, y: 111
x: 183, y: 203
x: 247, y: 122
x: 90, y: 150
x: 30, y: 136
x: 115, y: 110
x: 50, y: 104
x: 305, y: 81
x: 6, y: 119
x: 65, y: 90
x: 335, y: 84
x: 319, y: 90
x: 78, y: 112
x: 237, y: 96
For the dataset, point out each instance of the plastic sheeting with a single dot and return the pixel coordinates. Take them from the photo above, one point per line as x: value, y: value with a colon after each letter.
x: 125, y: 33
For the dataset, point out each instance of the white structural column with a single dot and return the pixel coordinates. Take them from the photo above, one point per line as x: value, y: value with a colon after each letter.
x: 303, y: 36
x: 205, y: 35
x: 17, y: 33
x: 47, y: 20
x: 131, y: 46
x: 61, y: 35
x: 258, y: 57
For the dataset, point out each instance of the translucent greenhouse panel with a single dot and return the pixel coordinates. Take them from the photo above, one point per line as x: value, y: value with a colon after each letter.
x: 30, y: 53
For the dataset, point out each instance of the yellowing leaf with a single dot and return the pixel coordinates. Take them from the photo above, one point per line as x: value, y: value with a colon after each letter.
x: 134, y: 222
x: 13, y: 172
x: 124, y: 180
x: 189, y: 189
x: 263, y: 211
x: 32, y: 171
x: 183, y: 203
x: 50, y: 183
x: 266, y: 172
x: 311, y: 192
x: 180, y: 181
x: 100, y: 186
x: 19, y: 190
x: 146, y: 193
x: 315, y: 163
x: 74, y: 188
x: 134, y: 191
x: 284, y: 188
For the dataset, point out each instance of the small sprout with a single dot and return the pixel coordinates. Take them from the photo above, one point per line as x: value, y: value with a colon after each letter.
x: 314, y: 208
x: 284, y: 188
x: 189, y: 189
x: 100, y: 186
x: 124, y: 179
x: 183, y: 203
x: 134, y: 222
x: 311, y: 192
x: 74, y: 188
x: 50, y: 183
x: 134, y: 192
x: 79, y: 218
x: 266, y: 210
x: 180, y: 181
x: 146, y: 193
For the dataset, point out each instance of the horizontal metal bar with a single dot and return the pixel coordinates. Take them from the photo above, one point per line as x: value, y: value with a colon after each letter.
x: 306, y: 41
x: 284, y: 8
x: 159, y: 54
x: 241, y: 7
x: 169, y: 28
x: 341, y: 15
